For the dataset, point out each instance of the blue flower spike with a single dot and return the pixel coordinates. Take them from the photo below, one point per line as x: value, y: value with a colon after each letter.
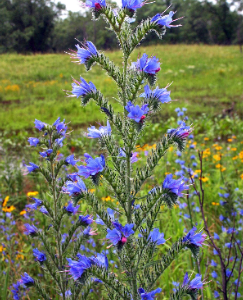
x: 27, y: 280
x: 148, y: 295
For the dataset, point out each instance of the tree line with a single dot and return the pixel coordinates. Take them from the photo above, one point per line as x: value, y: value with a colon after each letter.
x: 36, y: 25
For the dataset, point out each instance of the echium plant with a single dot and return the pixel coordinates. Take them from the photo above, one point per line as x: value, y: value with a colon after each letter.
x: 129, y: 230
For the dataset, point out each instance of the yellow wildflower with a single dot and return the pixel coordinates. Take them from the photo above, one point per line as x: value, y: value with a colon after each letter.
x: 235, y: 157
x: 241, y: 176
x: 218, y: 166
x: 218, y: 148
x: 206, y: 139
x: 217, y: 157
x: 233, y: 137
x: 241, y: 155
x: 233, y: 149
x: 61, y: 75
x: 23, y: 212
x: 20, y: 256
x: 108, y: 198
x: 223, y: 169
x: 2, y: 248
x: 204, y: 179
x: 197, y: 171
x: 5, y: 201
x: 12, y: 88
x: 230, y: 140
x: 92, y: 190
x: 31, y: 194
x: 215, y: 203
x: 8, y: 209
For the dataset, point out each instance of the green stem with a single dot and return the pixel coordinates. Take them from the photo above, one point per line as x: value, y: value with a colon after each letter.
x: 128, y: 187
x: 58, y: 234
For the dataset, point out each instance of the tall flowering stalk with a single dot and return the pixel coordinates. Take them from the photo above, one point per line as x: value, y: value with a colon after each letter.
x: 130, y: 230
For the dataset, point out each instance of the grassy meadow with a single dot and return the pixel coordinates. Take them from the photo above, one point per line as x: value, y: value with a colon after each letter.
x: 205, y: 79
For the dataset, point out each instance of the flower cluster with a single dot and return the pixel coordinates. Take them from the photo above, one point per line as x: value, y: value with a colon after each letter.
x: 139, y: 240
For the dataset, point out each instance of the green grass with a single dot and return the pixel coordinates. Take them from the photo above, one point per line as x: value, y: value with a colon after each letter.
x: 205, y: 78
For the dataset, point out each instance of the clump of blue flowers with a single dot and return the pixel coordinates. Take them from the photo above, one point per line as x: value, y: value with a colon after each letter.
x: 127, y: 231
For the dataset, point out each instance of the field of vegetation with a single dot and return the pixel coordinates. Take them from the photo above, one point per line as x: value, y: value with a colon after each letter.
x: 206, y: 80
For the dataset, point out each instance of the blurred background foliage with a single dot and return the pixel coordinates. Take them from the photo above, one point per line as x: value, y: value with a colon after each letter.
x: 37, y: 26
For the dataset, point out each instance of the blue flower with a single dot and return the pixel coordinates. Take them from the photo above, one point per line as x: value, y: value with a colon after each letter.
x: 85, y: 220
x: 70, y: 209
x: 132, y: 4
x: 133, y: 155
x: 226, y: 195
x: 182, y: 132
x: 30, y: 229
x: 174, y: 186
x: 100, y: 260
x: 148, y: 295
x: 88, y: 231
x: 33, y: 141
x: 99, y: 133
x: 61, y: 127
x: 34, y: 206
x: 156, y: 237
x: 86, y: 52
x: 222, y: 218
x: 27, y: 280
x: 32, y: 167
x: 40, y: 256
x: 216, y: 236
x: 194, y: 238
x: 148, y: 65
x: 68, y: 293
x: 118, y: 235
x: 70, y: 160
x: 215, y: 252
x: 75, y: 188
x: 238, y: 294
x: 214, y: 274
x: 228, y: 273
x: 216, y: 294
x: 44, y: 210
x: 16, y: 291
x: 96, y: 4
x: 228, y: 245
x: 73, y: 177
x: 165, y: 20
x: 135, y: 112
x: 46, y: 153
x: 77, y: 268
x: 82, y: 88
x: 93, y: 167
x: 161, y: 94
x: 213, y: 263
x: 196, y: 283
x: 39, y: 125
x: 59, y: 141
